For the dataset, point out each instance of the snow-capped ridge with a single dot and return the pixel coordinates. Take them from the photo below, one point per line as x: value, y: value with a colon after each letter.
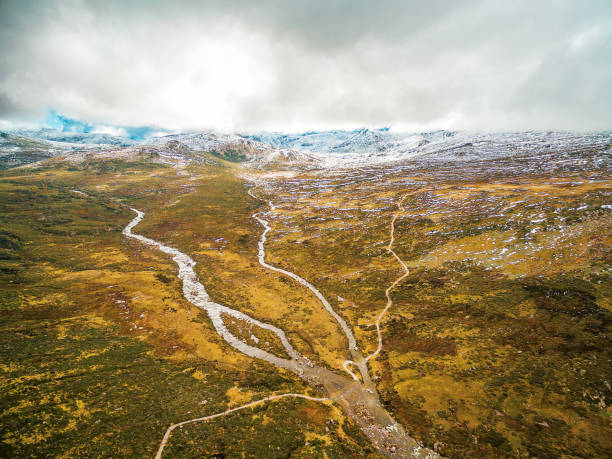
x: 236, y: 148
x: 367, y: 146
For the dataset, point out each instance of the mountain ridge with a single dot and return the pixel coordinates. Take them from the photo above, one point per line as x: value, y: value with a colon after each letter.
x: 328, y: 149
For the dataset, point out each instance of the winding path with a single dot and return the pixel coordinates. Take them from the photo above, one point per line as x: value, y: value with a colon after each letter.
x: 242, y: 407
x: 400, y: 206
x: 232, y: 410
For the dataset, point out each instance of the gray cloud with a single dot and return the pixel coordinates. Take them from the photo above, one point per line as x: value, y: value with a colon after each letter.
x: 297, y: 65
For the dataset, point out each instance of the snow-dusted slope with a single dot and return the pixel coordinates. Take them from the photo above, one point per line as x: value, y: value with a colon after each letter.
x: 365, y: 146
x: 89, y: 138
x: 482, y: 147
x: 327, y: 148
x: 358, y: 140
x: 236, y: 148
x: 356, y: 146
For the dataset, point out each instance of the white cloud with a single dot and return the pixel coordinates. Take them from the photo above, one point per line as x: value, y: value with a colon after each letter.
x: 110, y: 130
x: 317, y: 64
x: 6, y: 125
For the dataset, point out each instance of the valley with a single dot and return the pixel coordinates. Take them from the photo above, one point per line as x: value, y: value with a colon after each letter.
x: 436, y: 303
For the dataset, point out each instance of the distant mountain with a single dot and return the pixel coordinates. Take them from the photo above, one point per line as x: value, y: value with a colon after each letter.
x: 234, y: 148
x: 16, y: 150
x: 338, y: 148
x: 354, y: 146
x: 358, y: 140
x: 91, y: 138
x: 374, y: 146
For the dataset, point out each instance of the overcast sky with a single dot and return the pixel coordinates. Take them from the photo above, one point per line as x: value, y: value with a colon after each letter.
x: 296, y: 65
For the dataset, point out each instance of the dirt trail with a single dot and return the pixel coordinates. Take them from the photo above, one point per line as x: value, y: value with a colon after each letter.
x: 232, y: 410
x: 400, y: 206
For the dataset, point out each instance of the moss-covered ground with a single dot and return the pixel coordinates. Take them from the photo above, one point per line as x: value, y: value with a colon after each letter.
x: 498, y: 342
x: 99, y: 351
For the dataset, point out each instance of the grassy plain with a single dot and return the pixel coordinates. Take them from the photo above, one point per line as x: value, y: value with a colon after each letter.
x: 498, y: 343
x: 100, y: 352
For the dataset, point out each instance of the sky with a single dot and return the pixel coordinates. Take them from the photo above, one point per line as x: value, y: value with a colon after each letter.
x: 299, y: 65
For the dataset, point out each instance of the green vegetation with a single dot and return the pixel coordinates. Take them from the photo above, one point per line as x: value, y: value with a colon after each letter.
x: 100, y: 353
x: 497, y: 344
